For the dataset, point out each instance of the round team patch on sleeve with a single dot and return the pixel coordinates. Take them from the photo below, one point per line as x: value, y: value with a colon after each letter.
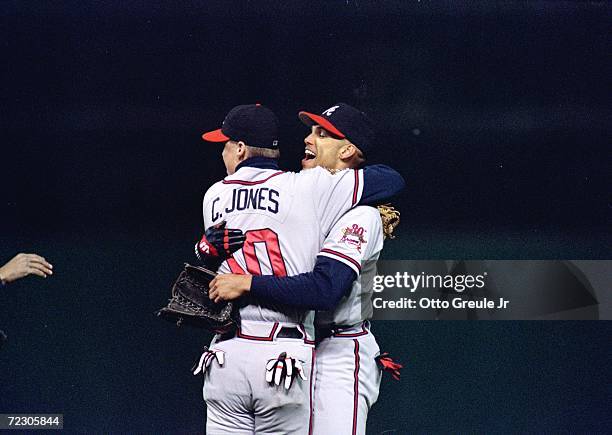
x: 353, y: 237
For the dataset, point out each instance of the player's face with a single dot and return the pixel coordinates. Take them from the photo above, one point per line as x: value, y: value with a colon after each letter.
x: 322, y: 149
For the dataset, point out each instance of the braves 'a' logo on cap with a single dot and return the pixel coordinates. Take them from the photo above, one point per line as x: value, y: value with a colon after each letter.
x: 353, y: 236
x: 329, y: 111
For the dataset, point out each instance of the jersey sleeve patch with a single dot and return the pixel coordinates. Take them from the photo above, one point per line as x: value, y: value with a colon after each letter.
x: 353, y: 237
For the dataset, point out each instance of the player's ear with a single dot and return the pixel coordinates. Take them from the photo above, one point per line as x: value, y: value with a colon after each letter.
x: 347, y: 151
x: 241, y: 150
x: 352, y: 156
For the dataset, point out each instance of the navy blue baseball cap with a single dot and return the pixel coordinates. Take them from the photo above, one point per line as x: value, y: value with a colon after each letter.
x: 253, y: 124
x: 344, y: 121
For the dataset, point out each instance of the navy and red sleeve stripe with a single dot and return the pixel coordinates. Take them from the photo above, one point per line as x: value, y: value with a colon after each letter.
x: 356, y: 187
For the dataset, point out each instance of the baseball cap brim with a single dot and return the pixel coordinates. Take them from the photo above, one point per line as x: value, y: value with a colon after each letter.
x: 215, y: 136
x: 312, y: 119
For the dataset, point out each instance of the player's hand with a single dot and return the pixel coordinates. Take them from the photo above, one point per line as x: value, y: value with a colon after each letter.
x: 219, y: 242
x: 285, y: 367
x: 25, y: 264
x: 227, y: 287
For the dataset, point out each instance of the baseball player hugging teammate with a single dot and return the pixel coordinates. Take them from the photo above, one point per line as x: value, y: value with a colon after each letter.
x: 291, y: 243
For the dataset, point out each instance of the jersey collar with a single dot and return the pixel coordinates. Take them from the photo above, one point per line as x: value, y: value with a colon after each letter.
x: 259, y: 162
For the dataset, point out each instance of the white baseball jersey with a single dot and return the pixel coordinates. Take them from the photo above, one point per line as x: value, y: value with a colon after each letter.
x: 356, y: 240
x: 286, y: 217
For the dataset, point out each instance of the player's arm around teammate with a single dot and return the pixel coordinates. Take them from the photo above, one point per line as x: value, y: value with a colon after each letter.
x: 339, y: 139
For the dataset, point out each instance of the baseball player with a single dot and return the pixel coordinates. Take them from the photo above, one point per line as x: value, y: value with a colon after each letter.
x: 285, y: 217
x: 347, y: 375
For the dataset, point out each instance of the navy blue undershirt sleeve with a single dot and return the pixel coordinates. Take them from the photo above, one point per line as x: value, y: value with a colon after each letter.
x: 380, y: 183
x: 320, y: 289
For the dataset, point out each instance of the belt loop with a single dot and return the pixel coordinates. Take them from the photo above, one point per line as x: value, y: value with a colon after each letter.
x: 341, y: 332
x: 305, y: 337
x: 277, y: 331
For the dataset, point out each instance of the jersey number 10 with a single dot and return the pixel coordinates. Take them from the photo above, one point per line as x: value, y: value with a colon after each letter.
x: 269, y: 239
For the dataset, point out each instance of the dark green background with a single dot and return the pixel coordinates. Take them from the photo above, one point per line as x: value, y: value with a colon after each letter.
x: 496, y: 113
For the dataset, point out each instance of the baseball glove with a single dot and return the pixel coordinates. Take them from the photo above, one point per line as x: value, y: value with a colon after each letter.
x: 390, y: 219
x: 191, y: 305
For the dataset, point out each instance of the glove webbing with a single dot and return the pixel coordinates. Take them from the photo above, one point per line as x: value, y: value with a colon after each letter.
x: 390, y: 217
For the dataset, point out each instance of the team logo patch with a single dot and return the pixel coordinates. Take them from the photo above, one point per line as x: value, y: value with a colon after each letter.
x: 353, y: 236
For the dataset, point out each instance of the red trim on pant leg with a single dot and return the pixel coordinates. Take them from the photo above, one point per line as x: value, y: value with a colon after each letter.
x: 312, y: 374
x: 356, y: 387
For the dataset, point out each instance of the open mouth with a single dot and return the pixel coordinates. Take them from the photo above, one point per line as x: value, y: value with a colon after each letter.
x: 308, y: 154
